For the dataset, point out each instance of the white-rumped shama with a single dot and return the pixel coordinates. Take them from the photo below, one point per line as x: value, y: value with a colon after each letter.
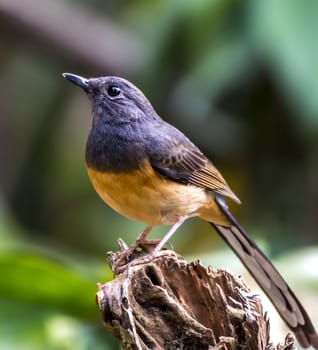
x: 149, y: 171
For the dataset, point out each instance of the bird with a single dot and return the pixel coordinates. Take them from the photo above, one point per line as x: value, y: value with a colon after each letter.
x: 149, y: 171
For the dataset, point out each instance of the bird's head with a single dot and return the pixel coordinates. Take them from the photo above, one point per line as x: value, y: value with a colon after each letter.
x: 115, y: 100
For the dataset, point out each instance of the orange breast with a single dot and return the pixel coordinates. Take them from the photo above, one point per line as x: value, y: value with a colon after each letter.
x: 146, y: 196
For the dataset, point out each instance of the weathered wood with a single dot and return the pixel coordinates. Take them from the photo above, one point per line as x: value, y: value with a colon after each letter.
x: 170, y: 304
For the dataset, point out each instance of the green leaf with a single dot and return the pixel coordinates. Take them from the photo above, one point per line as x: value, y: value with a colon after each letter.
x: 285, y: 34
x: 35, y: 278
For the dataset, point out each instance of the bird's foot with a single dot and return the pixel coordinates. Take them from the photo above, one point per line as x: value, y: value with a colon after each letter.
x: 125, y: 253
x: 139, y: 249
x: 132, y: 256
x: 145, y: 259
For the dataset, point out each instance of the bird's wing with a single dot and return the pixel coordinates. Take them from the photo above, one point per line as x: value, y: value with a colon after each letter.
x: 174, y: 156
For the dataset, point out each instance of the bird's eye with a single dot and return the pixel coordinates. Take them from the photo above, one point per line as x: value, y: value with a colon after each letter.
x: 113, y: 91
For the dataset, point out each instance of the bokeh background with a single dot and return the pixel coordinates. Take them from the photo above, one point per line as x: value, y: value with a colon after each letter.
x: 240, y: 78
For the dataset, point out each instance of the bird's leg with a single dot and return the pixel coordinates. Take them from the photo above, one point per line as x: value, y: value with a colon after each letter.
x: 169, y: 234
x: 147, y: 258
x: 141, y: 239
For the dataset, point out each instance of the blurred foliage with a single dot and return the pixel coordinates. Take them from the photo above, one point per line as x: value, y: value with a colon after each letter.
x: 240, y: 78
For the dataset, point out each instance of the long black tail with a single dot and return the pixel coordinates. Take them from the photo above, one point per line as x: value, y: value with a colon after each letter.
x: 269, y: 279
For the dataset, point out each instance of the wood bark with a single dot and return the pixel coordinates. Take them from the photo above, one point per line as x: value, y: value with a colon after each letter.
x: 171, y: 304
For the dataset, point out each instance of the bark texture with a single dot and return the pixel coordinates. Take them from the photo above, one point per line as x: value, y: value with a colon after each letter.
x: 171, y: 304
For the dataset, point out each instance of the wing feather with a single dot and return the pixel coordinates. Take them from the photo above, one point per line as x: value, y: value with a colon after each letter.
x: 180, y: 160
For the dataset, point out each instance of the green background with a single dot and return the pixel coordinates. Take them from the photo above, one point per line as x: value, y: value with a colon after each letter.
x: 240, y: 78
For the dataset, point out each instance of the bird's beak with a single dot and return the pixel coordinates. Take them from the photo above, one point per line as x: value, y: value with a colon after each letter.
x: 77, y: 80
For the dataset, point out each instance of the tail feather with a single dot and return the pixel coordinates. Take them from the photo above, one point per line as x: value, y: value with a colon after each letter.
x: 268, y: 278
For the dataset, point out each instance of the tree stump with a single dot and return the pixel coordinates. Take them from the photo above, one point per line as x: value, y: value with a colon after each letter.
x: 171, y: 304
